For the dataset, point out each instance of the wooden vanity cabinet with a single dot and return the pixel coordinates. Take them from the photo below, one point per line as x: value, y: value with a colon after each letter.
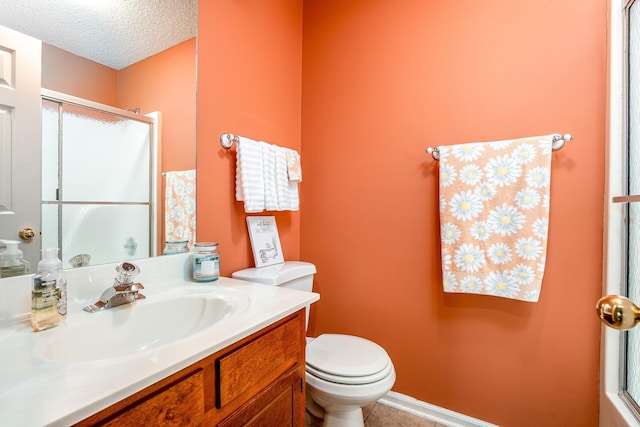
x: 277, y: 405
x: 256, y: 381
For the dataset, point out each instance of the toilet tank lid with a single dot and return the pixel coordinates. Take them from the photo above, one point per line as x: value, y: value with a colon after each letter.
x: 276, y: 274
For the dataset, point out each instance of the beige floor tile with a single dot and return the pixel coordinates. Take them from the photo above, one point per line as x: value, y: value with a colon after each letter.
x: 386, y: 416
x: 366, y: 411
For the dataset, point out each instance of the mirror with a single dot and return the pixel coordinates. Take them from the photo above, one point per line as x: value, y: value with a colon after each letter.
x: 123, y: 54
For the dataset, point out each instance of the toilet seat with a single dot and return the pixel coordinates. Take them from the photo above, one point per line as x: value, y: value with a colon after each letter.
x: 347, y: 359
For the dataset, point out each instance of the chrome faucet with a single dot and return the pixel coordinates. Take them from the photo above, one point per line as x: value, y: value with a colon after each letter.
x: 123, y: 291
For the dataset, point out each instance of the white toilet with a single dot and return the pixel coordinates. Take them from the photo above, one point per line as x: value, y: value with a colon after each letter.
x: 343, y: 372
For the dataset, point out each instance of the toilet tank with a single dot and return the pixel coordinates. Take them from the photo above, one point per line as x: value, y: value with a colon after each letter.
x: 290, y: 274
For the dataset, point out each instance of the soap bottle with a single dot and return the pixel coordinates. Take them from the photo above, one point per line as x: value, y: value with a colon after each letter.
x: 49, y: 294
x: 11, y: 261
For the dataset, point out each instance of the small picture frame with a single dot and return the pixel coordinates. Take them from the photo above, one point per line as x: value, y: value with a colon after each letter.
x: 265, y: 241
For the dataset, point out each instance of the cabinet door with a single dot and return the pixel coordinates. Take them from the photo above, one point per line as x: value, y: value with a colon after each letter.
x: 281, y: 404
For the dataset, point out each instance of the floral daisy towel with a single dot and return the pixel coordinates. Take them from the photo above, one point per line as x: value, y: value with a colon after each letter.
x: 494, y: 216
x: 180, y: 206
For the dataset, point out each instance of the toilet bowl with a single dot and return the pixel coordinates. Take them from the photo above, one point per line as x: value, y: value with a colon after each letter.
x: 343, y: 372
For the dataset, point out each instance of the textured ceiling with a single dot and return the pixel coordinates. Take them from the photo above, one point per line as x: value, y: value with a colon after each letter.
x: 116, y: 33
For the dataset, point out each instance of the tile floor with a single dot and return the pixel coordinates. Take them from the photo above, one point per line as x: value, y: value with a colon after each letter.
x: 379, y: 415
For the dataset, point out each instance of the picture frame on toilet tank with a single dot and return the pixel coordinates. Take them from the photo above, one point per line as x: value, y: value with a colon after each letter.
x: 265, y: 240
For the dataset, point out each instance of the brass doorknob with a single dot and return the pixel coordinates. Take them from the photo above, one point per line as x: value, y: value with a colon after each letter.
x: 26, y: 233
x: 618, y: 312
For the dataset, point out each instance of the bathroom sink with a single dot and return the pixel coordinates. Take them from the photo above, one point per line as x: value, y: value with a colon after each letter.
x: 133, y: 328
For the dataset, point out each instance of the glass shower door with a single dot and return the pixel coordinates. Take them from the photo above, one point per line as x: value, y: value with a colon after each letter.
x: 97, y: 183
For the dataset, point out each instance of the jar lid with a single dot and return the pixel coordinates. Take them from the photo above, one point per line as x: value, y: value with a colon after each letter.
x: 206, y: 244
x: 176, y: 241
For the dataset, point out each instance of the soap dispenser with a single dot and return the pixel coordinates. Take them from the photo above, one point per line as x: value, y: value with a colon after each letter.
x: 12, y: 262
x: 49, y: 293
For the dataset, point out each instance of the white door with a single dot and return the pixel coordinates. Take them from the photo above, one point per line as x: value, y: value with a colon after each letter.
x: 620, y: 351
x: 20, y: 80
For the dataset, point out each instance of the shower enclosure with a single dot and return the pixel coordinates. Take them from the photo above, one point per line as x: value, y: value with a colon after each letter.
x: 98, y: 181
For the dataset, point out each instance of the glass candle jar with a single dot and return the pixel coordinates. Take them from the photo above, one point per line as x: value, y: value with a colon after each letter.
x: 206, y: 262
x: 172, y: 247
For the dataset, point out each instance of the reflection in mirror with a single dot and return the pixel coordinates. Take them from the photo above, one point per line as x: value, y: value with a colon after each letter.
x: 147, y: 66
x: 110, y: 214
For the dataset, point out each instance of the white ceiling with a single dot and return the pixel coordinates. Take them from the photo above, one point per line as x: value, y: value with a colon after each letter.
x: 116, y: 33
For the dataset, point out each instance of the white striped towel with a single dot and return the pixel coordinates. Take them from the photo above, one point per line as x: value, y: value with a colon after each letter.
x: 249, y: 174
x: 269, y: 174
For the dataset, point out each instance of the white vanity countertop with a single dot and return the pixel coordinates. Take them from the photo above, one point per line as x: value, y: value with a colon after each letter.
x: 35, y: 391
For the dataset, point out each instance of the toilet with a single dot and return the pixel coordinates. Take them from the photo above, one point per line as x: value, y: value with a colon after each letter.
x: 343, y: 372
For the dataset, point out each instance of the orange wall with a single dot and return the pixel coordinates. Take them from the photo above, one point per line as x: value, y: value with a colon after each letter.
x: 74, y: 75
x: 249, y: 84
x: 166, y: 82
x: 380, y: 82
x: 384, y: 80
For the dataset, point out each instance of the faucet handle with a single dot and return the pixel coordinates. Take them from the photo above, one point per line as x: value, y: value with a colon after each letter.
x: 126, y: 272
x: 136, y: 287
x: 127, y: 287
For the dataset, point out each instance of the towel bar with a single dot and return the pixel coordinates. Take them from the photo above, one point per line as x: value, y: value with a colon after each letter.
x: 557, y: 143
x: 227, y: 140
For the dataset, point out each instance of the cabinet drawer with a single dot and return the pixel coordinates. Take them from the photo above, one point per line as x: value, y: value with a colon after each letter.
x: 180, y: 404
x: 257, y: 363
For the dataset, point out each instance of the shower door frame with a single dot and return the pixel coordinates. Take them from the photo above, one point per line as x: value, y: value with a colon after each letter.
x: 154, y: 120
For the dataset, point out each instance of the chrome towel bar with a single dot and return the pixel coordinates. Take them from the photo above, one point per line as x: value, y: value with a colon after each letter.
x: 557, y: 143
x: 227, y: 140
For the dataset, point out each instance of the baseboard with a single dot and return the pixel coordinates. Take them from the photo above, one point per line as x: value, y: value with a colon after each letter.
x: 431, y: 412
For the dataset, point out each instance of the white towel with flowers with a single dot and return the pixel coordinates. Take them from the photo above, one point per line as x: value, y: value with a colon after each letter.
x: 494, y: 216
x: 288, y: 197
x: 294, y: 167
x: 180, y: 206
